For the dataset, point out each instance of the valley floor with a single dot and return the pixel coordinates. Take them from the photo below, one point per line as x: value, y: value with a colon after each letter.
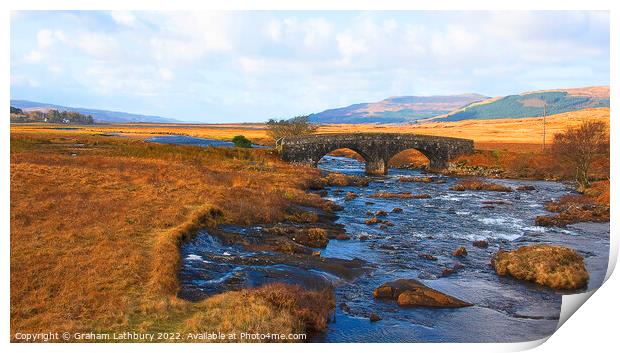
x: 97, y: 216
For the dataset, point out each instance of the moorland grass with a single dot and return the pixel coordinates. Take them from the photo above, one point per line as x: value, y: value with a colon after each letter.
x: 96, y: 222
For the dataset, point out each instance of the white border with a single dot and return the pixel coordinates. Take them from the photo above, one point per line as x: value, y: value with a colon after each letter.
x: 593, y: 326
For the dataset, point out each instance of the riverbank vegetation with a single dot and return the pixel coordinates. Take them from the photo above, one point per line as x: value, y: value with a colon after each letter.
x: 591, y: 206
x: 96, y: 222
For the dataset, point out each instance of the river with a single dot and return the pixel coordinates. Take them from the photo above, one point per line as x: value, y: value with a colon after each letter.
x: 504, y: 310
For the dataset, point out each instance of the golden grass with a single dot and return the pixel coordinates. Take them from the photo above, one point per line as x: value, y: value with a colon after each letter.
x: 499, y: 132
x: 478, y: 184
x: 96, y: 222
x: 274, y: 308
x: 503, y: 131
x: 549, y: 265
x: 592, y: 206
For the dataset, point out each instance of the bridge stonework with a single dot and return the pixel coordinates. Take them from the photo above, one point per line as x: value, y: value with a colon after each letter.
x: 376, y: 148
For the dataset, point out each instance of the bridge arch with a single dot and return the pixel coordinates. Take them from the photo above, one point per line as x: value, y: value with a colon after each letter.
x: 346, y: 152
x: 409, y: 157
x: 376, y: 148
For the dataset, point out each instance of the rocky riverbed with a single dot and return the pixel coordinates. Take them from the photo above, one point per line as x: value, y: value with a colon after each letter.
x: 444, y: 241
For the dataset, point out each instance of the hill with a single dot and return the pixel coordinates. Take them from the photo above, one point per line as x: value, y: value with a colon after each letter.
x: 396, y: 109
x: 100, y: 116
x: 532, y: 104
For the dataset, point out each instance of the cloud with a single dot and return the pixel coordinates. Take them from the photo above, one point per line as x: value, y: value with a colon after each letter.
x: 253, y: 65
x: 19, y: 80
x: 187, y: 36
x: 274, y: 29
x: 350, y: 47
x: 33, y: 56
x: 125, y: 18
x: 45, y: 38
x: 99, y: 45
x: 166, y: 74
x: 110, y: 80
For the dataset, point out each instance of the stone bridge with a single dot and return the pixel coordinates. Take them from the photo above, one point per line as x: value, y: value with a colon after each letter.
x: 376, y: 148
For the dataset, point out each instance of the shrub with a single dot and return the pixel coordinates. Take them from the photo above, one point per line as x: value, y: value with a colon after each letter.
x: 298, y: 125
x: 242, y: 141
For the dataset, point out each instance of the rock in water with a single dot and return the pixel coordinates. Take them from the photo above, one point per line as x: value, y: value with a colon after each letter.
x: 480, y: 243
x: 553, y: 266
x: 374, y: 317
x: 409, y: 292
x: 460, y: 252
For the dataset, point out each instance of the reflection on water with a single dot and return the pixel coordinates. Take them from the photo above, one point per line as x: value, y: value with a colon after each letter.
x: 505, y: 309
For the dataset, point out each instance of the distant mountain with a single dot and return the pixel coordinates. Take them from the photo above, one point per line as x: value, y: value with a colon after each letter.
x: 100, y: 116
x: 396, y: 109
x: 531, y: 104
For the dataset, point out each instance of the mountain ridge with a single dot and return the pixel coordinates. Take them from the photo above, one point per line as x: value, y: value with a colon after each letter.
x: 532, y: 104
x: 396, y: 109
x: 99, y: 115
x: 473, y: 106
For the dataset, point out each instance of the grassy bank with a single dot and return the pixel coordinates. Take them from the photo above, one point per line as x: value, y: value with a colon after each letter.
x: 96, y: 222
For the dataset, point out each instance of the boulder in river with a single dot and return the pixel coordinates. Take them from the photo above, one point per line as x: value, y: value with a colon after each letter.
x: 526, y: 188
x: 447, y: 271
x: 350, y: 196
x: 460, y: 252
x: 312, y: 237
x: 409, y: 292
x: 553, y: 266
x: 397, y: 210
x: 480, y: 243
x: 428, y: 257
x: 373, y: 220
x: 381, y: 213
x: 374, y: 317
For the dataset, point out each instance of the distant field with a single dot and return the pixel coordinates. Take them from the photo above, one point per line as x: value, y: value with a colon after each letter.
x: 512, y: 134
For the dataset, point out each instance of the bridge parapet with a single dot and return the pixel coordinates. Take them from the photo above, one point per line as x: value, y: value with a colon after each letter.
x: 376, y: 148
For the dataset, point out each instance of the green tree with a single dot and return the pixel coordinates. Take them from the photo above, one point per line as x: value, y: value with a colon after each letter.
x: 298, y: 125
x: 242, y: 141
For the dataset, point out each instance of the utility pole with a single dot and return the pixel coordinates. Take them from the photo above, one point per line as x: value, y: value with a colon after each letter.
x: 544, y: 125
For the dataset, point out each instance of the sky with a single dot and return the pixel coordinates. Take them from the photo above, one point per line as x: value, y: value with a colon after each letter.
x: 252, y: 66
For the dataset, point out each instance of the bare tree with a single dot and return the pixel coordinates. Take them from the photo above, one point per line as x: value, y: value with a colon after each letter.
x: 578, y: 146
x: 298, y: 125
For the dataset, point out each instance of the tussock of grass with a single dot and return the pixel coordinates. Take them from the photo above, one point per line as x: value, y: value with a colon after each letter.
x: 339, y: 179
x: 415, y: 179
x: 274, y: 308
x: 549, y: 265
x: 477, y: 184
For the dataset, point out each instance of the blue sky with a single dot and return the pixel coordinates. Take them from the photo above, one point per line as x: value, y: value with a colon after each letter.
x: 252, y: 66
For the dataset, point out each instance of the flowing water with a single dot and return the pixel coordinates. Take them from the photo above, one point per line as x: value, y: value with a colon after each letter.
x: 193, y: 141
x: 505, y: 309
